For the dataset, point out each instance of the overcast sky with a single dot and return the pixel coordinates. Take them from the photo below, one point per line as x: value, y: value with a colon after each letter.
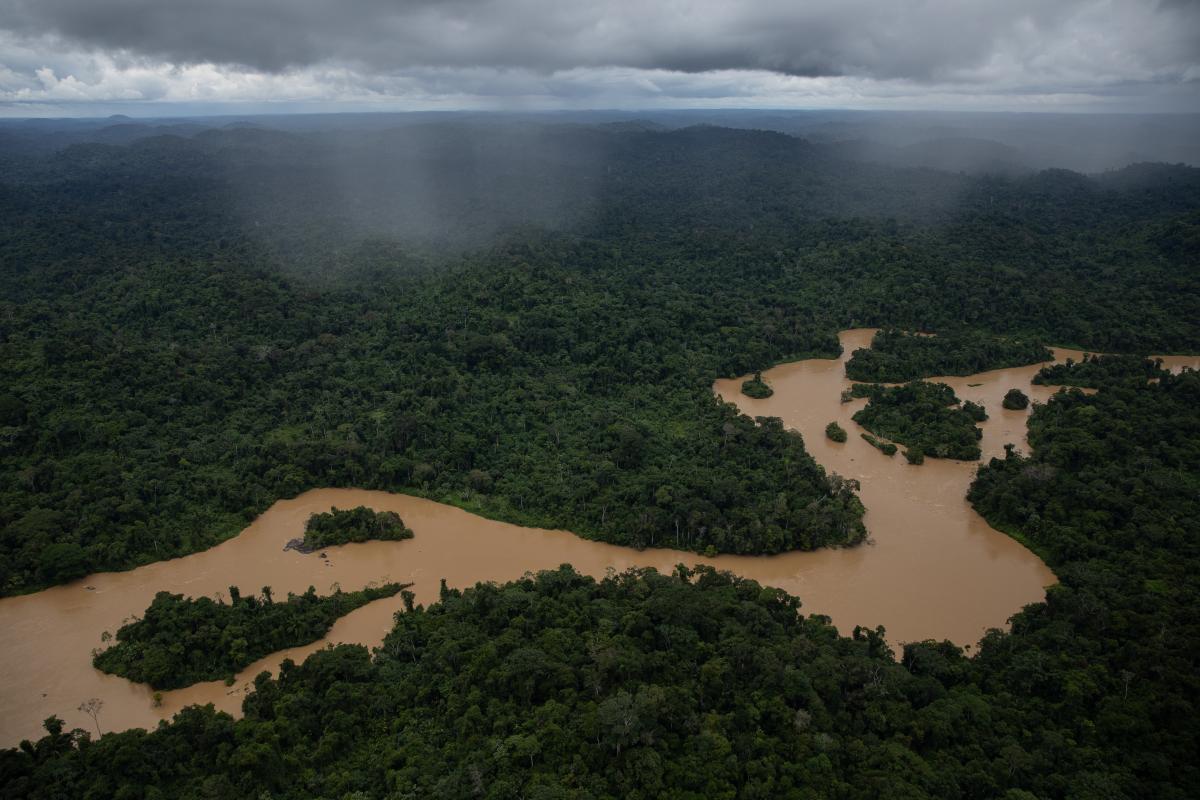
x: 156, y: 57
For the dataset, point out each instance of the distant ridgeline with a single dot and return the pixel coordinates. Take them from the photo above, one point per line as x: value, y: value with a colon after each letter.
x: 359, y: 524
x: 243, y: 320
x: 896, y: 356
x: 924, y: 416
x: 181, y: 640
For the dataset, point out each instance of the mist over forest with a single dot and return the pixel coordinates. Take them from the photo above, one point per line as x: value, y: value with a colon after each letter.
x: 536, y: 400
x: 445, y: 182
x: 982, y: 142
x: 522, y: 316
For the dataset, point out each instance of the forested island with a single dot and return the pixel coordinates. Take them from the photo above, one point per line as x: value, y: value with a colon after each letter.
x: 1015, y: 400
x: 360, y: 524
x: 925, y: 416
x: 188, y: 334
x: 184, y: 640
x: 897, y: 356
x: 1095, y: 371
x: 835, y: 432
x: 757, y: 388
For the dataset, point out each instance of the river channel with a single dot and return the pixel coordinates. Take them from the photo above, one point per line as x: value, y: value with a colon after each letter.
x: 932, y: 569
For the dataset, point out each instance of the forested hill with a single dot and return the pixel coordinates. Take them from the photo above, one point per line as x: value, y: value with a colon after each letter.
x: 192, y: 328
x: 463, y: 185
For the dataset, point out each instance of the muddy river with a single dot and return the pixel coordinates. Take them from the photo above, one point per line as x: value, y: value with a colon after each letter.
x: 933, y: 568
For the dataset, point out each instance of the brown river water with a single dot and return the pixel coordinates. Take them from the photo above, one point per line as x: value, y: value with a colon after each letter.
x: 933, y: 568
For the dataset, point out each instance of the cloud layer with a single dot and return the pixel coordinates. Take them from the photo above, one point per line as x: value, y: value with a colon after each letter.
x: 1015, y: 53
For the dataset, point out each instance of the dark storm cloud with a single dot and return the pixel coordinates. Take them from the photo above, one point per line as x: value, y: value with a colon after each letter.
x: 927, y: 40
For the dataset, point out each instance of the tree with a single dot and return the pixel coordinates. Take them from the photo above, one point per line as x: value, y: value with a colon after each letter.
x: 757, y: 388
x: 479, y: 480
x: 1015, y: 400
x: 63, y: 561
x: 92, y: 707
x: 835, y: 432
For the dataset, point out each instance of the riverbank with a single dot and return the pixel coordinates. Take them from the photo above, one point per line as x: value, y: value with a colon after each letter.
x: 933, y: 570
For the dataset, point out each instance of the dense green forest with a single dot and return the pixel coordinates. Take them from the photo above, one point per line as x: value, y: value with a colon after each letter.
x: 1109, y: 497
x: 166, y: 407
x: 184, y: 640
x: 1095, y: 371
x: 700, y: 684
x: 173, y: 363
x: 340, y: 526
x: 639, y: 686
x: 192, y: 328
x: 895, y: 356
x: 925, y: 416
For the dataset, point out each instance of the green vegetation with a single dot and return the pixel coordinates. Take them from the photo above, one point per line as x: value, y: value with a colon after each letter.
x: 975, y: 410
x: 697, y: 684
x: 914, y: 455
x: 896, y: 356
x: 857, y: 391
x: 1109, y: 498
x: 757, y: 388
x: 359, y: 524
x: 643, y: 684
x: 700, y: 682
x: 835, y: 432
x: 887, y: 448
x: 583, y: 413
x: 172, y: 366
x: 191, y: 328
x: 1096, y: 371
x: 180, y: 640
x: 926, y: 416
x: 1015, y: 400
